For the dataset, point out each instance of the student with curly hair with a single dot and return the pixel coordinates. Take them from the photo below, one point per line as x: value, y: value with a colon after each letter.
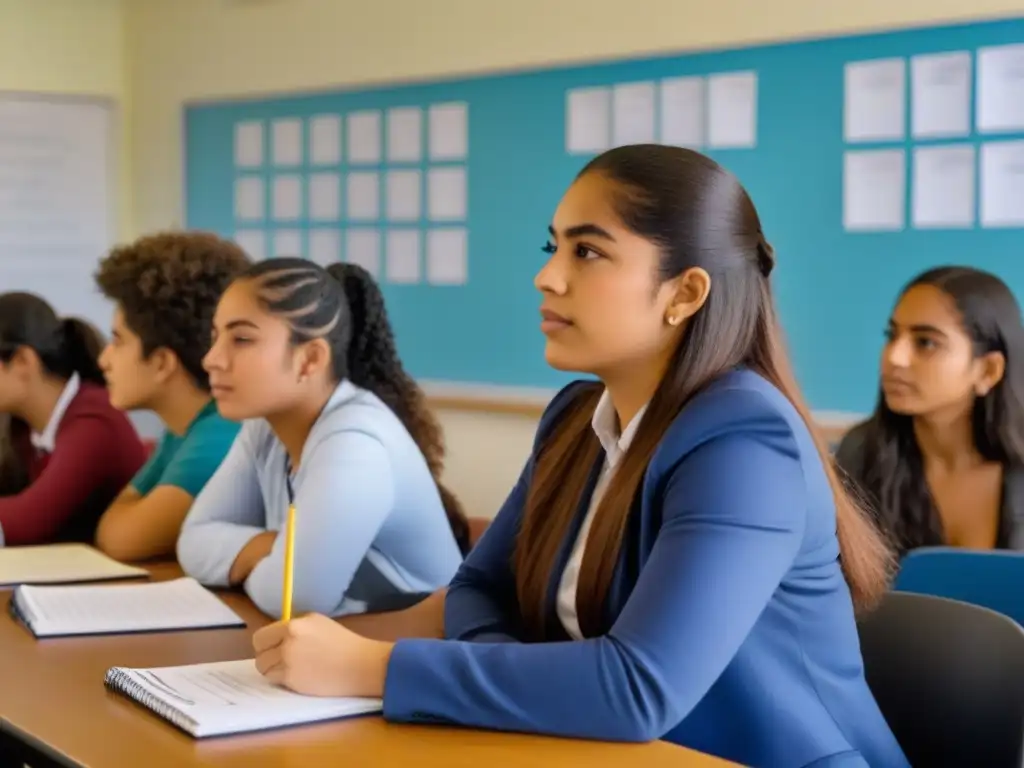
x: 66, y: 452
x: 165, y: 289
x: 335, y: 426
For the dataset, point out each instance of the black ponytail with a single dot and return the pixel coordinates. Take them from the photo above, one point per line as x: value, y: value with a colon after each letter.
x: 64, y: 346
x: 344, y: 305
x: 81, y: 345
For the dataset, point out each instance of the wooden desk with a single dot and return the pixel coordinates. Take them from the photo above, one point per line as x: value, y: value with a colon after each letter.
x: 52, y: 697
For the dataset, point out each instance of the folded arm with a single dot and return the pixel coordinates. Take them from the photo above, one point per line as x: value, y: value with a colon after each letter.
x: 734, y: 512
x: 345, y: 494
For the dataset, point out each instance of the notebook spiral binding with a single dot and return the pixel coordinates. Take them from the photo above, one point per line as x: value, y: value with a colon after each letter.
x: 121, y: 681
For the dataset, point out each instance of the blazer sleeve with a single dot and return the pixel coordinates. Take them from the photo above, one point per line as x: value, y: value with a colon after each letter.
x: 224, y: 517
x: 481, y: 603
x: 80, y: 463
x: 723, y: 549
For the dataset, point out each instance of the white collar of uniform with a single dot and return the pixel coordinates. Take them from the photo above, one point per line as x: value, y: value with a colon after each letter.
x: 606, y: 426
x: 47, y: 439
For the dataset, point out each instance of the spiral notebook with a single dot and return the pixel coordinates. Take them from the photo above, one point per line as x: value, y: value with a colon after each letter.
x: 227, y: 697
x: 61, y: 564
x: 180, y: 604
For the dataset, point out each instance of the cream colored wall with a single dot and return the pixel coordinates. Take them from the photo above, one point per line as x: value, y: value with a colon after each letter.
x: 70, y: 47
x: 181, y: 50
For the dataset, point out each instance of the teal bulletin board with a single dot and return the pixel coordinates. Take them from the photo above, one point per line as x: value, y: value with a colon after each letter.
x: 445, y: 189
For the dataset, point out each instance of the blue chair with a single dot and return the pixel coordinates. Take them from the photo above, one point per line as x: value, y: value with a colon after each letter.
x: 993, y: 579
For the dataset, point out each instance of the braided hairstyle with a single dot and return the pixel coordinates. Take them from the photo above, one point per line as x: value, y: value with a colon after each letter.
x: 343, y: 305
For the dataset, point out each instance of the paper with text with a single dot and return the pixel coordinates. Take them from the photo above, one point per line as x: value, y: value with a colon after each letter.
x: 633, y: 107
x: 403, y: 256
x: 288, y: 242
x: 325, y: 140
x: 405, y: 135
x: 448, y: 126
x: 286, y: 141
x: 874, y: 100
x: 324, y: 246
x: 447, y: 256
x: 682, y: 112
x: 446, y: 194
x: 364, y: 137
x: 403, y: 195
x: 944, y: 187
x: 940, y: 92
x: 90, y: 610
x: 1002, y: 184
x: 363, y: 196
x: 324, y: 196
x: 362, y: 247
x: 588, y: 120
x: 874, y: 190
x: 732, y: 110
x: 1000, y: 99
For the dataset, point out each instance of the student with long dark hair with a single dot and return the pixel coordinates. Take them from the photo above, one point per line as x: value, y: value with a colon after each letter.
x: 69, y: 452
x: 678, y: 559
x: 942, y: 457
x: 334, y: 423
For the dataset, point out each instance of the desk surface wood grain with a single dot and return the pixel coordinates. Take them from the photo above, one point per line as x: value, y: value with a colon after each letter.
x: 52, y: 697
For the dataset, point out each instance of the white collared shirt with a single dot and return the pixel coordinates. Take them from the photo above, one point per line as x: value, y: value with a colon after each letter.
x: 47, y: 439
x: 605, y: 424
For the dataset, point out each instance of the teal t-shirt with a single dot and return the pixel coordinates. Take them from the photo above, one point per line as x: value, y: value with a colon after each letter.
x: 188, y: 461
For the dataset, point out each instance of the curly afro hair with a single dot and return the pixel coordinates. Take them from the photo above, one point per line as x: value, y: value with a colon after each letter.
x: 167, y: 286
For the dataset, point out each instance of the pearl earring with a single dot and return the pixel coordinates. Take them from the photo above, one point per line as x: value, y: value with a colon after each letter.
x: 674, y: 320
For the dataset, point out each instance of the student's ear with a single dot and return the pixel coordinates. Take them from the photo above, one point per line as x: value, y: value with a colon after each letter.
x: 25, y: 362
x: 687, y: 294
x: 991, y: 372
x: 164, y: 364
x: 314, y: 357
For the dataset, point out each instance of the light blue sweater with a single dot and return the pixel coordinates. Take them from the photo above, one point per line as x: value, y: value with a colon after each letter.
x: 370, y: 523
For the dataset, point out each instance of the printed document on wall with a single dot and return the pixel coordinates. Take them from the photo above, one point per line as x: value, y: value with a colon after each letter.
x: 874, y: 190
x: 286, y: 141
x: 732, y: 110
x: 362, y: 247
x: 874, y: 100
x: 1000, y: 97
x: 1002, y: 184
x: 403, y: 256
x: 588, y: 120
x: 682, y: 111
x: 324, y: 246
x: 325, y: 140
x: 633, y: 113
x: 288, y: 242
x: 447, y: 256
x: 944, y: 187
x: 249, y: 144
x: 940, y: 92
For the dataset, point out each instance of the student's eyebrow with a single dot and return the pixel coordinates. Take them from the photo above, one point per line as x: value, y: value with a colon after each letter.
x: 241, y: 323
x: 920, y: 328
x: 580, y: 230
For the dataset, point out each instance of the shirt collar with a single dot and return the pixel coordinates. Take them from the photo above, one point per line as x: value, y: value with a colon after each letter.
x: 47, y: 439
x: 606, y: 426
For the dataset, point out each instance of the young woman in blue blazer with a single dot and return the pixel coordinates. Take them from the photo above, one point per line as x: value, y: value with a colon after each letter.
x: 678, y: 559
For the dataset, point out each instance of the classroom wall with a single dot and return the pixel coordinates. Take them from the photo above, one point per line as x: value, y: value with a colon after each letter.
x: 71, y: 47
x: 201, y: 49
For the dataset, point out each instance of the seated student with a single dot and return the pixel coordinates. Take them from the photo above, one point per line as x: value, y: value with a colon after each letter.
x: 165, y: 289
x: 336, y: 425
x: 69, y: 451
x: 942, y: 457
x: 668, y: 565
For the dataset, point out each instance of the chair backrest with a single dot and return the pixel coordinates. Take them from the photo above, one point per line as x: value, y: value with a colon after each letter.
x: 949, y: 679
x: 989, y: 578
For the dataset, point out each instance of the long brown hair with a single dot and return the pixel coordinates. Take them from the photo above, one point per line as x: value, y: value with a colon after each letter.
x: 700, y: 216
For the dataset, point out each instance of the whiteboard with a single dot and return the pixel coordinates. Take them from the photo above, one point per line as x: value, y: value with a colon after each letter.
x: 57, y: 199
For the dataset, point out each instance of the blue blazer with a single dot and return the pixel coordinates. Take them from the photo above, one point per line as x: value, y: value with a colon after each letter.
x: 733, y: 628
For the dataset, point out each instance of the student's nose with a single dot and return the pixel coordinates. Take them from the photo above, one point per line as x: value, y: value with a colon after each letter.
x: 213, y: 360
x: 898, y: 352
x: 553, y: 277
x: 104, y: 359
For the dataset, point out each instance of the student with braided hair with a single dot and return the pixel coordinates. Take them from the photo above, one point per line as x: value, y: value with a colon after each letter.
x: 306, y: 357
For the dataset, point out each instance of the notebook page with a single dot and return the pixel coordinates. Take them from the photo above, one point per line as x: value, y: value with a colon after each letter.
x: 232, y: 697
x: 60, y: 564
x: 178, y: 604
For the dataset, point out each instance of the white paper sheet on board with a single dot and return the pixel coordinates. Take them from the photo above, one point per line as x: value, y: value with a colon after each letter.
x: 364, y: 138
x: 324, y: 246
x: 324, y: 196
x: 940, y: 95
x: 287, y: 141
x: 286, y: 197
x: 363, y: 196
x: 682, y: 111
x: 403, y: 256
x: 874, y: 190
x: 253, y: 242
x: 362, y: 247
x: 1002, y: 184
x: 249, y: 144
x: 446, y: 194
x: 943, y: 184
x: 588, y: 120
x: 405, y: 135
x: 403, y: 195
x: 447, y: 256
x: 249, y: 198
x: 288, y: 242
x: 875, y: 100
x: 1001, y: 88
x: 325, y: 140
x: 633, y: 107
x: 732, y: 110
x: 448, y: 129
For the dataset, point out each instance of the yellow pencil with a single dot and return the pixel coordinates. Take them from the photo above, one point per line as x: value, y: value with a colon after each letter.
x: 289, y: 564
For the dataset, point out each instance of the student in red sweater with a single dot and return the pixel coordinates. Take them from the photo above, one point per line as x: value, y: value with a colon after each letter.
x: 67, y: 452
